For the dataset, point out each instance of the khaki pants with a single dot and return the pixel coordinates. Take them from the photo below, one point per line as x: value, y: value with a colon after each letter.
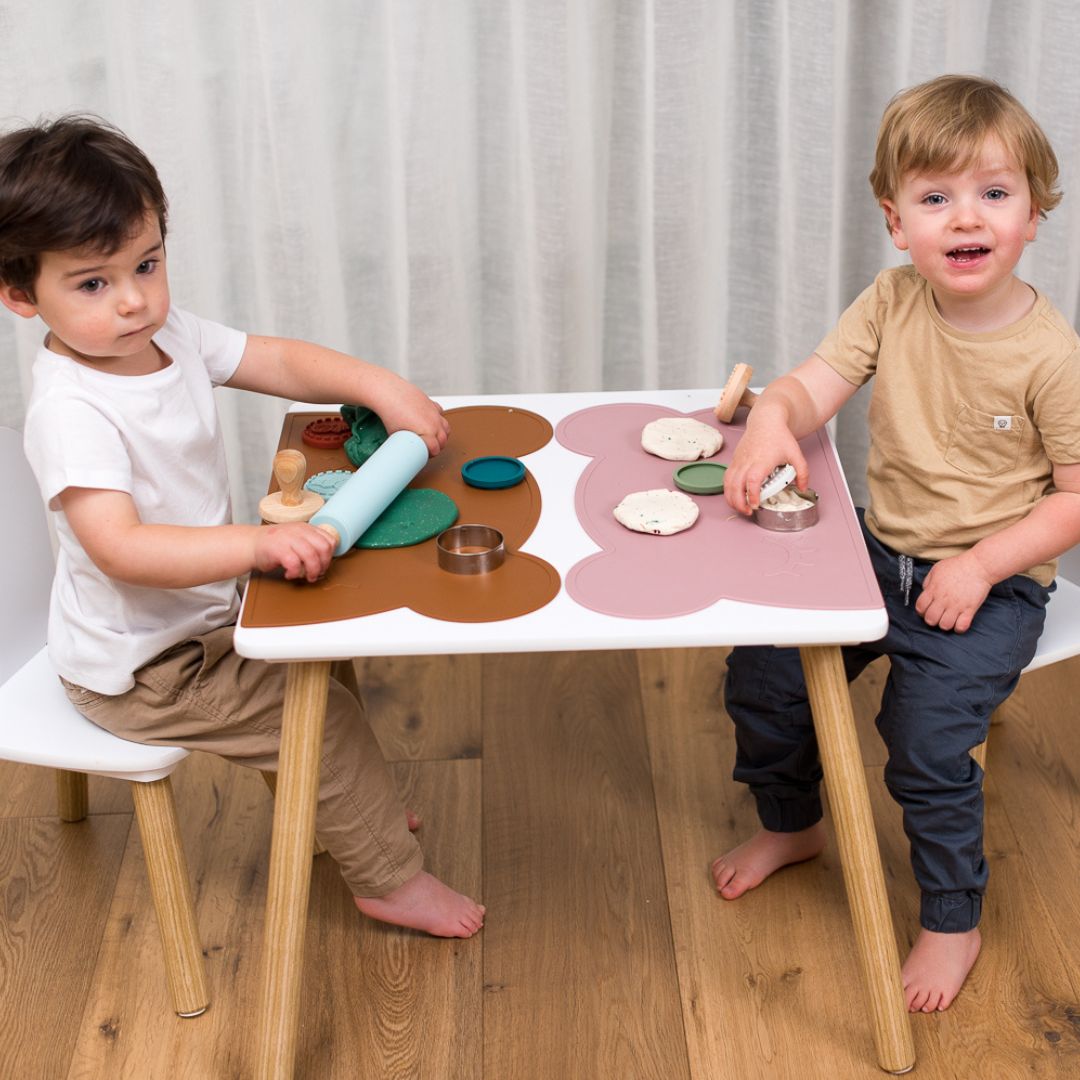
x: 202, y: 696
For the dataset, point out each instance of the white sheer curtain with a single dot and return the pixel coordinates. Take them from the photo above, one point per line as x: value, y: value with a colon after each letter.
x: 505, y: 195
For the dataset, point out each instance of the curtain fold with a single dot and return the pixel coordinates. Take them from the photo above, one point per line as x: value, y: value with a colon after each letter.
x: 511, y: 195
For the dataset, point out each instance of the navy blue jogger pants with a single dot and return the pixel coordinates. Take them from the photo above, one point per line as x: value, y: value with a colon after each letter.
x: 936, y: 707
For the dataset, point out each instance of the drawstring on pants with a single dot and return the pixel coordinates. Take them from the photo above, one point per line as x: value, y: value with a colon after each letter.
x: 907, y: 567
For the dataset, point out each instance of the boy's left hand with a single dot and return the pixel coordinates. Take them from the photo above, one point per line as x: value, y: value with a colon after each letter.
x: 408, y: 408
x: 953, y: 592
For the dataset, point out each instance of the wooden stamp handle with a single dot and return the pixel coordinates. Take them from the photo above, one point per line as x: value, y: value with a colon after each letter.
x: 736, y: 393
x: 289, y: 469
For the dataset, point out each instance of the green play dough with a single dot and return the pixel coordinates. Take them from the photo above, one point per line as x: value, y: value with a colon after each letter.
x: 368, y: 433
x: 415, y: 515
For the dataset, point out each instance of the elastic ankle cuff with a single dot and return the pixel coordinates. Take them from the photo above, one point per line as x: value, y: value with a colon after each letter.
x: 787, y: 814
x: 950, y: 913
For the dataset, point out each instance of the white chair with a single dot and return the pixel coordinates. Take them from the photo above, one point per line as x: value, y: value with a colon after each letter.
x: 1060, y: 639
x: 39, y: 726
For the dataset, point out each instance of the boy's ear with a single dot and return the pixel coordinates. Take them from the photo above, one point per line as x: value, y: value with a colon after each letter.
x: 895, y: 226
x: 1033, y: 224
x: 18, y: 300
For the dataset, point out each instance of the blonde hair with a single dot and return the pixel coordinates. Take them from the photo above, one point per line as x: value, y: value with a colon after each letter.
x: 941, y: 126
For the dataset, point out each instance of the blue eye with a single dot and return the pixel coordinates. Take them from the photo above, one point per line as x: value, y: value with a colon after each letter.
x: 997, y: 194
x: 934, y: 200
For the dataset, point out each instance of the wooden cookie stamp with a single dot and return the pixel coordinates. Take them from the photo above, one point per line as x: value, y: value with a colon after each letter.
x: 735, y: 393
x: 293, y: 502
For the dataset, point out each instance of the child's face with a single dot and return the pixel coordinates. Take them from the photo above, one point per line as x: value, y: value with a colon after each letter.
x: 104, y: 309
x: 965, y: 230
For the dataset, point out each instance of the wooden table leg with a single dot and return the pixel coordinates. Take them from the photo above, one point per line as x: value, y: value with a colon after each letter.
x: 290, y: 867
x: 830, y: 701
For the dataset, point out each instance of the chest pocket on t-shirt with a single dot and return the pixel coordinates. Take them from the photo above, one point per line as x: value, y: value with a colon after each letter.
x: 984, y: 444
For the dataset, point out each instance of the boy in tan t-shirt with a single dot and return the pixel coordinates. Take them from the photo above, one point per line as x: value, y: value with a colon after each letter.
x: 974, y: 482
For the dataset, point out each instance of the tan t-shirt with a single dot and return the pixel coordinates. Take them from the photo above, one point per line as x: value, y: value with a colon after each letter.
x: 963, y: 427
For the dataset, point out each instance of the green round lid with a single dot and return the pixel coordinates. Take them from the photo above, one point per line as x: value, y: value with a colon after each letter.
x: 701, y: 478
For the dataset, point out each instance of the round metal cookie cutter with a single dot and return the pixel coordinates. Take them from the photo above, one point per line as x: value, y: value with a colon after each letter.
x: 470, y: 549
x: 785, y: 520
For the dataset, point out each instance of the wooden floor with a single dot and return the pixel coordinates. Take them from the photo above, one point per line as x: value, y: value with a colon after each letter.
x: 582, y: 797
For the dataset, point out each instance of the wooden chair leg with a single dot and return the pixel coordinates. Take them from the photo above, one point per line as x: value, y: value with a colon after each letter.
x: 271, y: 783
x: 72, y: 799
x: 979, y: 754
x: 171, y: 889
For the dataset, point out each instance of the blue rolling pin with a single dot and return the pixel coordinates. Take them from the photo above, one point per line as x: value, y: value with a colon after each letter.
x: 349, y: 512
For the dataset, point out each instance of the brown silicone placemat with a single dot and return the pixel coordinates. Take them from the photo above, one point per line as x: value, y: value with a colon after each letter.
x: 366, y: 582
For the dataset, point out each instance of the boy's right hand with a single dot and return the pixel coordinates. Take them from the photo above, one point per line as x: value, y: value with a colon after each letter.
x: 301, y: 550
x: 763, y: 447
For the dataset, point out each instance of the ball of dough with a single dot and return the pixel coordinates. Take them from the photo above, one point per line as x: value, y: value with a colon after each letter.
x: 660, y: 512
x: 680, y: 438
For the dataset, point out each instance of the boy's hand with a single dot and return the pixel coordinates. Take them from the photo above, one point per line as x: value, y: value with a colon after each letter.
x: 761, y: 449
x: 301, y: 550
x: 953, y: 592
x: 408, y: 408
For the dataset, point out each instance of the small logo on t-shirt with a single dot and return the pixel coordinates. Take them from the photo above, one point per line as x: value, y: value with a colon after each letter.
x: 1003, y: 423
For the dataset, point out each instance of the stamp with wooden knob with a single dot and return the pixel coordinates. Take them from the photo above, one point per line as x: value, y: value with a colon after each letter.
x: 293, y: 502
x: 736, y: 393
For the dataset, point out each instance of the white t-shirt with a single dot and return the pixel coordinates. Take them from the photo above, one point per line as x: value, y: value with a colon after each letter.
x: 158, y: 438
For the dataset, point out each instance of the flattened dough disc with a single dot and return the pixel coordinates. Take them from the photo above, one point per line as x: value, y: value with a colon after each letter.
x: 660, y: 512
x: 680, y: 438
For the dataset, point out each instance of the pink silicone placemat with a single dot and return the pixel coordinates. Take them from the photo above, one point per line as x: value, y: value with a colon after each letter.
x: 723, y: 555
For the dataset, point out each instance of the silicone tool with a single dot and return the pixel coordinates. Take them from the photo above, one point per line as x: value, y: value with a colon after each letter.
x: 493, y: 472
x: 735, y: 393
x: 776, y: 481
x: 701, y: 478
x: 329, y: 433
x: 328, y: 483
x: 371, y: 489
x: 293, y: 502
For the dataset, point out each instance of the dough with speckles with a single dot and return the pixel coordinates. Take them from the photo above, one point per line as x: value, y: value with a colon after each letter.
x: 660, y: 512
x: 680, y: 438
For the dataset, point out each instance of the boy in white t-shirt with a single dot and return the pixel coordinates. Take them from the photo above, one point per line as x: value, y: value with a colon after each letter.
x: 123, y: 435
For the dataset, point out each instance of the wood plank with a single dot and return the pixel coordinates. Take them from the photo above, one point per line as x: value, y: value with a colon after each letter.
x: 129, y: 1028
x: 30, y: 791
x: 1034, y: 762
x: 423, y: 707
x: 384, y: 1002
x: 58, y: 881
x: 1017, y: 1013
x: 372, y: 995
x: 770, y: 983
x: 578, y: 963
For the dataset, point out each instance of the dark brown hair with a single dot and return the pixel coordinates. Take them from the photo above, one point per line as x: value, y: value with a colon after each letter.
x: 68, y: 184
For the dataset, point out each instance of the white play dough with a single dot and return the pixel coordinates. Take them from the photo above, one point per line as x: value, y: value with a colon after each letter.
x: 660, y: 512
x: 680, y: 438
x: 788, y: 499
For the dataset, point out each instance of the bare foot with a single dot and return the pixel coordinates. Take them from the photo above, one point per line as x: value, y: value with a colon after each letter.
x: 748, y: 865
x: 413, y: 819
x: 425, y: 903
x: 936, y: 968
